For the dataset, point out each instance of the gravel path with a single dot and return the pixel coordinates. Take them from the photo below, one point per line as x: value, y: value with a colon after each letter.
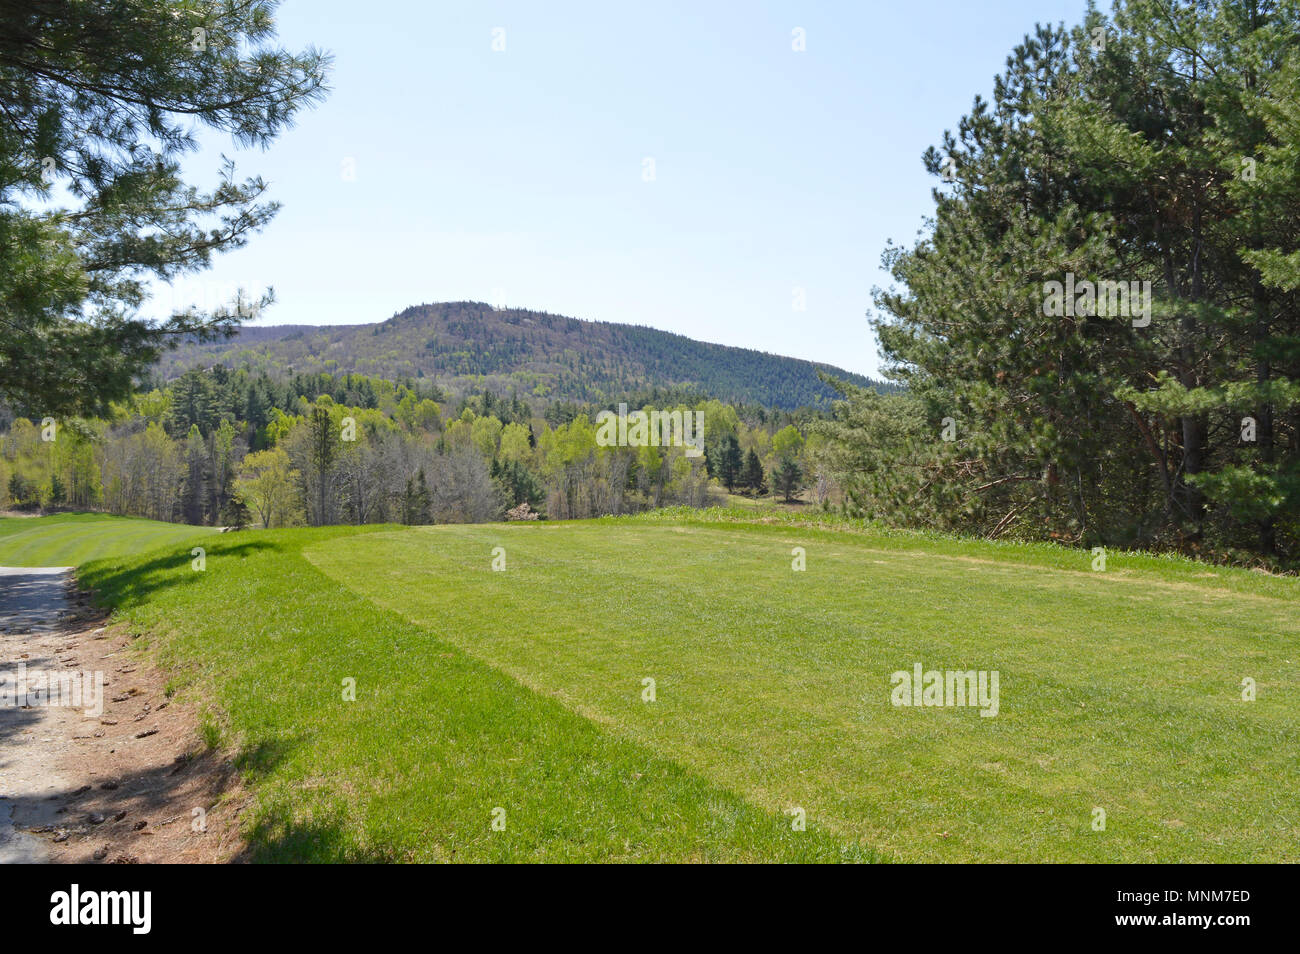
x: 33, y: 601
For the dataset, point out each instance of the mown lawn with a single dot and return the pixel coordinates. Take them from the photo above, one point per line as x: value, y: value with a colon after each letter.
x: 523, y: 690
x: 1119, y: 690
x: 70, y: 539
x: 435, y: 741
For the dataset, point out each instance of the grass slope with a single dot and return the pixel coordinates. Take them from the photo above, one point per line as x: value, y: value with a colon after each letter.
x: 1119, y: 689
x: 435, y: 741
x: 71, y: 539
x: 523, y: 690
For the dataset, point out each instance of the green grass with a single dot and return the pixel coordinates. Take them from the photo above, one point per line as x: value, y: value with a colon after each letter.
x: 71, y: 539
x: 413, y: 769
x: 523, y: 689
x: 1119, y: 689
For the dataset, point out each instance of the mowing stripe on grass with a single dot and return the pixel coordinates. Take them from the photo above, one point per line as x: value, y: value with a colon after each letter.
x: 76, y: 538
x: 435, y: 740
x: 1120, y: 692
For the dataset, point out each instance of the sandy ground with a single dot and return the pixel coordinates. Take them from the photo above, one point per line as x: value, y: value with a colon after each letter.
x: 122, y: 785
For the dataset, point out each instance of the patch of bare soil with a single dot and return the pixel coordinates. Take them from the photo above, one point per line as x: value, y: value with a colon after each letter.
x: 132, y: 784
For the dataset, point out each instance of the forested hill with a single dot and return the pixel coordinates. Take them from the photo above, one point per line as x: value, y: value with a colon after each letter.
x: 473, y: 345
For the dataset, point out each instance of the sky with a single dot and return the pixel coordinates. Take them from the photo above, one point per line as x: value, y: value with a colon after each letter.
x: 678, y: 165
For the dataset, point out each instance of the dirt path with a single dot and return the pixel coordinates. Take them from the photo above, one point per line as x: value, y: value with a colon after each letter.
x: 114, y: 776
x: 31, y: 603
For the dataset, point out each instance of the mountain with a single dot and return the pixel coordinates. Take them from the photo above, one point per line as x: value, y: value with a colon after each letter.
x: 471, y: 345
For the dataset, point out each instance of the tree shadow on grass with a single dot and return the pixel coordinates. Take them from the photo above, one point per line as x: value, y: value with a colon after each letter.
x: 279, y: 838
x: 117, y: 586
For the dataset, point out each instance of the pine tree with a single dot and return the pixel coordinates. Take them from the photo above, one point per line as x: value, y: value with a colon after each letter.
x: 100, y: 103
x: 57, y: 493
x: 323, y: 450
x: 416, y: 501
x: 753, y: 477
x: 1159, y: 147
x: 517, y: 484
x: 235, y: 512
x: 194, y: 488
x: 787, y: 477
x: 730, y: 463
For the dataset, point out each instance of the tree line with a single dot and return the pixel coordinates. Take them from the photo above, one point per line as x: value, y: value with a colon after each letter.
x: 1157, y: 148
x: 233, y: 448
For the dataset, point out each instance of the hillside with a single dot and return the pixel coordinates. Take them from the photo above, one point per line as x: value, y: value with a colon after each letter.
x: 608, y: 723
x: 472, y: 345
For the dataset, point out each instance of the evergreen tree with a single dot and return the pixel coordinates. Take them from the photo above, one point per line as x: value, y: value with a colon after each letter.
x: 753, y: 477
x: 102, y: 100
x: 194, y: 402
x: 322, y: 452
x: 730, y: 462
x: 235, y: 512
x: 194, y: 488
x: 57, y: 493
x: 1159, y: 147
x: 517, y: 484
x: 787, y: 477
x: 416, y: 501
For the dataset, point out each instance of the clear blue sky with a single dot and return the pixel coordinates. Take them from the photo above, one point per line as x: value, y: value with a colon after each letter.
x: 516, y: 177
